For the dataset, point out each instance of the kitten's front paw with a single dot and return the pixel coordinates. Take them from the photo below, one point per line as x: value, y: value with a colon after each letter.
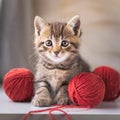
x: 63, y: 101
x: 39, y: 100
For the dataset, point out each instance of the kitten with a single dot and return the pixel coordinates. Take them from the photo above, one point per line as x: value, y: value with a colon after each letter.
x: 57, y: 47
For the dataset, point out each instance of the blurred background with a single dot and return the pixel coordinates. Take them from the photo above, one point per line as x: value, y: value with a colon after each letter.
x: 100, y: 23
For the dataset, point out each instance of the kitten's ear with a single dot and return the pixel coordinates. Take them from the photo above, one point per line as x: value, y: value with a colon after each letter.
x: 39, y: 24
x: 74, y: 25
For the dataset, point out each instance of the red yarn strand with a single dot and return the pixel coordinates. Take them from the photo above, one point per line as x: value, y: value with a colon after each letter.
x: 50, y: 110
x: 38, y: 111
x: 57, y: 109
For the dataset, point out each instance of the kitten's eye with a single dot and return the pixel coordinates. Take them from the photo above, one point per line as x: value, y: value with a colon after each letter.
x: 48, y: 43
x: 64, y: 43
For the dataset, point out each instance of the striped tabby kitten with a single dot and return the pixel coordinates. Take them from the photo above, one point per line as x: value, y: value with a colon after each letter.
x: 57, y: 47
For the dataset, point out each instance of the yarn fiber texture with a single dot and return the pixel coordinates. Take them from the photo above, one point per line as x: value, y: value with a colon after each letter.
x: 111, y: 79
x: 86, y: 90
x: 18, y: 84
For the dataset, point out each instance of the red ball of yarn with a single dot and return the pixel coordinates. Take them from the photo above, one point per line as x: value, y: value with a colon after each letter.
x: 18, y: 84
x: 111, y: 79
x: 86, y: 89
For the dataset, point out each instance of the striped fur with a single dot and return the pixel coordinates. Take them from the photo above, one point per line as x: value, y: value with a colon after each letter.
x: 52, y: 77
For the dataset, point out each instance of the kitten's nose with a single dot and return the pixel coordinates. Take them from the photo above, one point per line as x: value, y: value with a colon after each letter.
x: 56, y: 53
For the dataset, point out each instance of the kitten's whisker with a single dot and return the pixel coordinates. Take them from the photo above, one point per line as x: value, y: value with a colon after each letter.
x: 33, y: 59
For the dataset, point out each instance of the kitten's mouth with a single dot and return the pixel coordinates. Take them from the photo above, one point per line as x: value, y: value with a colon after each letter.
x: 57, y: 58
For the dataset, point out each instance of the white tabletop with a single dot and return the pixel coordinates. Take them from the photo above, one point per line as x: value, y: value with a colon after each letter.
x: 9, y: 107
